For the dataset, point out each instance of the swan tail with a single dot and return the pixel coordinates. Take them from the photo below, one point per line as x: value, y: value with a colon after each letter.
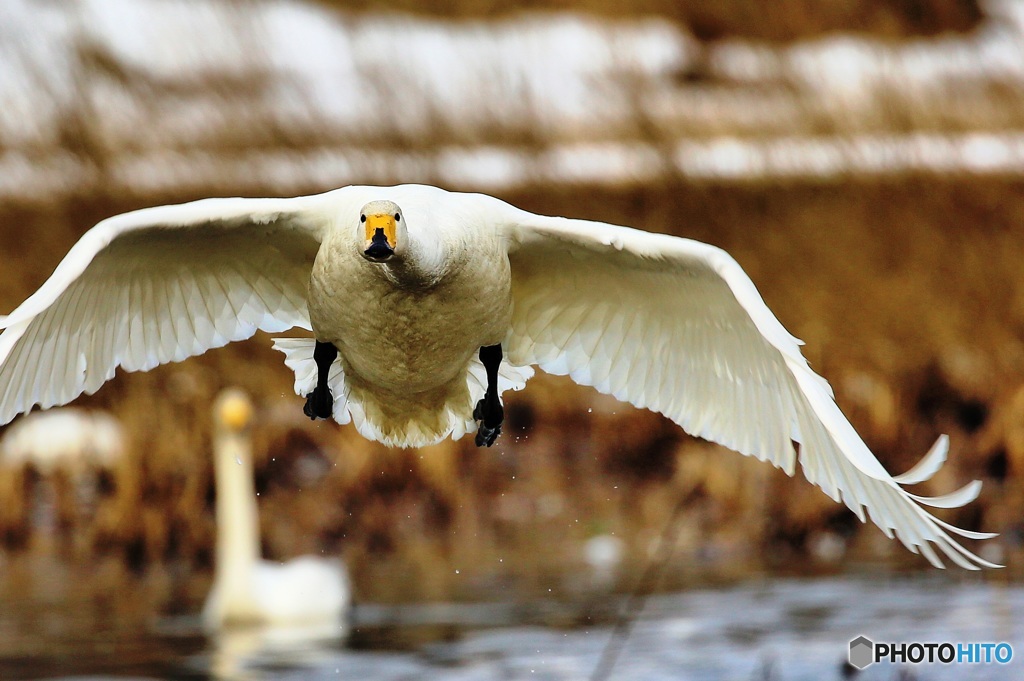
x: 416, y: 423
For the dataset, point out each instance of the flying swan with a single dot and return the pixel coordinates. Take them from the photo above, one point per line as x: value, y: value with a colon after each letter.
x: 426, y: 305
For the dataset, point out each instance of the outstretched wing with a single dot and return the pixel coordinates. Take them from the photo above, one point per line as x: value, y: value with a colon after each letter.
x: 676, y: 326
x: 159, y: 285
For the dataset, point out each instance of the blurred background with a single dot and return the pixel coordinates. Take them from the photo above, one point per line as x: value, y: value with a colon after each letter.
x: 863, y: 160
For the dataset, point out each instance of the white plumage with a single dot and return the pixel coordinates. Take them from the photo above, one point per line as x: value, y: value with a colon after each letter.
x: 305, y: 591
x: 665, y: 323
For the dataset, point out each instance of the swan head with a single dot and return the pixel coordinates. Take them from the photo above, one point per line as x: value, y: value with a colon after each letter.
x: 382, y: 230
x: 233, y: 411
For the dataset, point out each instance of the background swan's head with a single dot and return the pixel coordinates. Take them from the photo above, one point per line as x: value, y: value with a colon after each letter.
x: 382, y: 229
x: 233, y: 411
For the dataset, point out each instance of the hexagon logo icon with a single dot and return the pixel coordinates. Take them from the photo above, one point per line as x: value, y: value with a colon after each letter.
x: 862, y: 652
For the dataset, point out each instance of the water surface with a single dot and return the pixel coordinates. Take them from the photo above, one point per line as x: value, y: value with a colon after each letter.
x: 785, y: 629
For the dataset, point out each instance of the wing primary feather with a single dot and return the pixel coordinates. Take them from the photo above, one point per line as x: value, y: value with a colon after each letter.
x: 955, y: 548
x: 151, y: 331
x: 202, y: 322
x: 221, y: 321
x: 642, y: 384
x: 104, y: 356
x: 856, y: 493
x: 124, y: 314
x: 61, y: 330
x: 40, y: 355
x: 957, y: 499
x: 929, y: 553
x: 134, y: 336
x: 817, y: 451
x: 927, y: 466
x: 40, y: 350
x: 15, y: 380
x: 166, y: 327
x: 198, y: 323
x: 969, y: 534
x: 186, y: 343
x: 91, y: 343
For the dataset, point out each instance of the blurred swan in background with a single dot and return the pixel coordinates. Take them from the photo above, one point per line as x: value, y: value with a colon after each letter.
x: 72, y: 439
x: 426, y: 305
x: 54, y: 467
x: 308, y: 591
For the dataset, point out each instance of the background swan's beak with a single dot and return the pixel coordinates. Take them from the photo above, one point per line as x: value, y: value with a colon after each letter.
x: 381, y: 236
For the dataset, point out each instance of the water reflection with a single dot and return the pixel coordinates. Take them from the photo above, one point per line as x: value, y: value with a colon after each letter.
x: 784, y: 629
x: 249, y: 652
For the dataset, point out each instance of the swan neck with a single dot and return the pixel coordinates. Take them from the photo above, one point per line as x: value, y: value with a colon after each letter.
x: 237, y: 517
x: 422, y: 264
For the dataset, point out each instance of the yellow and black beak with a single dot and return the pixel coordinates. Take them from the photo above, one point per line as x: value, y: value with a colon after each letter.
x: 381, y: 236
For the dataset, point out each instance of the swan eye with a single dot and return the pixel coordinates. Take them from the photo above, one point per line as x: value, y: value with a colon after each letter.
x: 362, y: 218
x: 397, y: 217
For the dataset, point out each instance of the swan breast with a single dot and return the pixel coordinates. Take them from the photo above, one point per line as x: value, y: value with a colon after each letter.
x: 409, y: 338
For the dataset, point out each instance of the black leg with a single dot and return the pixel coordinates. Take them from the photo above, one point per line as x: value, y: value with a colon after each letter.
x: 488, y: 411
x: 320, y: 402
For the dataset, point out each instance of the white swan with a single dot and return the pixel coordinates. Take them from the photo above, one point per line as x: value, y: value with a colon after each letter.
x: 403, y: 286
x: 304, y: 592
x: 70, y: 438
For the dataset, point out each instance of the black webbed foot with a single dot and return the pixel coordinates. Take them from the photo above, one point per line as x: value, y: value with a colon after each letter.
x: 485, y: 436
x: 319, y: 404
x: 488, y: 411
x: 491, y: 415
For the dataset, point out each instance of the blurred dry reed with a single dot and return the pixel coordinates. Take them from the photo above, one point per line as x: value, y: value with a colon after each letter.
x: 784, y: 20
